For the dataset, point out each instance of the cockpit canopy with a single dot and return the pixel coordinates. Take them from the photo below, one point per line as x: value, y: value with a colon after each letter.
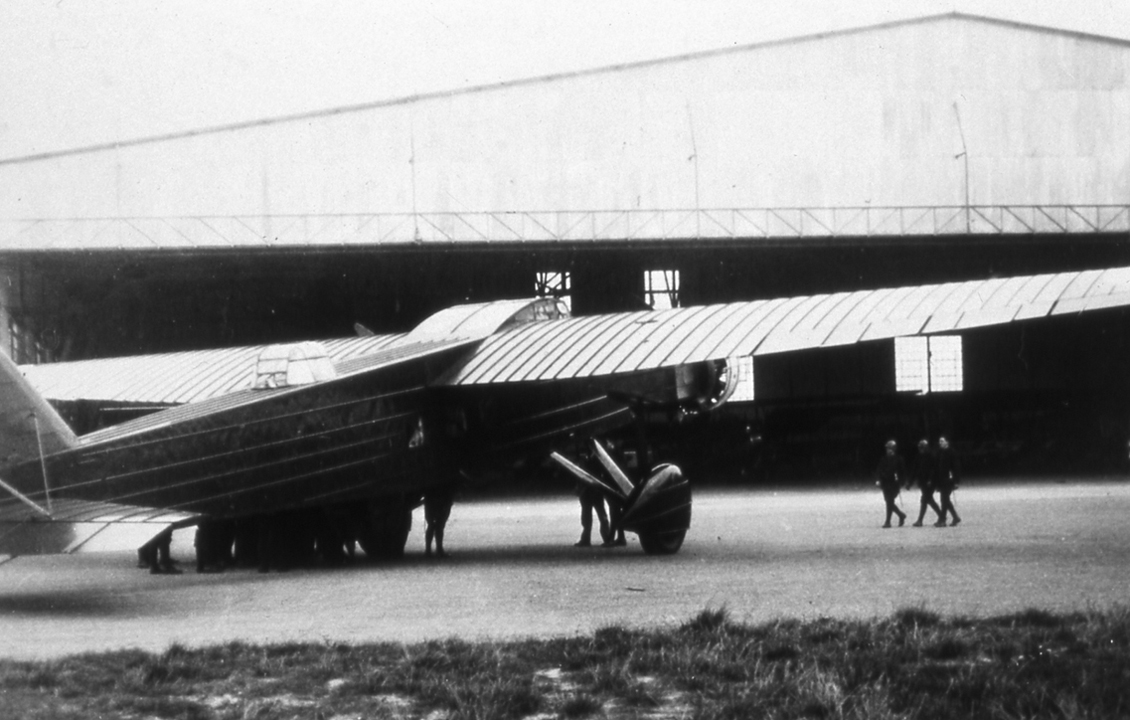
x: 293, y: 364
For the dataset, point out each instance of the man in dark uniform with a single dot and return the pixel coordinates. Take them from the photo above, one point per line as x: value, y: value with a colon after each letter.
x: 891, y: 473
x: 591, y: 500
x: 947, y: 476
x: 922, y: 473
x: 437, y: 509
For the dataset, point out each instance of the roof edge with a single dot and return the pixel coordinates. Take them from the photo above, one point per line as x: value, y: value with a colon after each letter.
x: 541, y: 79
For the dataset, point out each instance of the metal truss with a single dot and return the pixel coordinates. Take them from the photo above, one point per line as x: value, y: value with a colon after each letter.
x: 558, y: 226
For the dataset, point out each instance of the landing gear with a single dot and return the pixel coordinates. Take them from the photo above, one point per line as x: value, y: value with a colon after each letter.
x: 662, y: 544
x: 383, y: 530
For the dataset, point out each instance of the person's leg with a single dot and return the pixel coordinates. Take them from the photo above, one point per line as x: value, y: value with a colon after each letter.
x: 165, y: 560
x: 945, y: 508
x: 933, y: 503
x: 605, y: 535
x: 439, y: 538
x: 586, y: 524
x: 955, y: 518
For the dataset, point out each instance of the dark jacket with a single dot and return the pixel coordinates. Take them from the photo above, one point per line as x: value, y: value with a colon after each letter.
x: 947, y: 469
x: 922, y: 471
x: 891, y: 471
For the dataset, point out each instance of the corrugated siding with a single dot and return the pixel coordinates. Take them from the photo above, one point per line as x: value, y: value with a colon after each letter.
x: 628, y: 342
x: 846, y: 119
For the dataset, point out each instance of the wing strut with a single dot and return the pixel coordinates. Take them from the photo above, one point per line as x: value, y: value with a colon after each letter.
x: 42, y: 463
x: 25, y: 499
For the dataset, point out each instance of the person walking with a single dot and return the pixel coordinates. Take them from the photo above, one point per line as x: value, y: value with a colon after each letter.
x: 891, y: 473
x: 922, y: 472
x: 947, y: 476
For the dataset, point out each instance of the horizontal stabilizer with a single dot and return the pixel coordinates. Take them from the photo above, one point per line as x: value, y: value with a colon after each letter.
x: 80, y: 525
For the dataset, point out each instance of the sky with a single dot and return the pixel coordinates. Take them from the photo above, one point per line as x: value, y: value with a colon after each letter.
x: 76, y: 74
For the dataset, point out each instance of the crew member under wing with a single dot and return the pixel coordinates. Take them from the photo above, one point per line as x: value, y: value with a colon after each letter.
x: 353, y: 435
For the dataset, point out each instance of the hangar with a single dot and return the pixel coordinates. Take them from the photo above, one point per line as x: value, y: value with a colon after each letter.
x: 936, y: 149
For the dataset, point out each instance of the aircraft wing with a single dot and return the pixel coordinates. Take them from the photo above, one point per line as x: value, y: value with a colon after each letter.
x: 609, y: 345
x: 167, y: 379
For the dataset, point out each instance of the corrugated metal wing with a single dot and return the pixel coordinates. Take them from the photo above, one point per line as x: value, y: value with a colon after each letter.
x: 629, y: 342
x: 173, y: 378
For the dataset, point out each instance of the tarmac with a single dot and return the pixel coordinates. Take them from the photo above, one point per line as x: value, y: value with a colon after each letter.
x: 760, y: 553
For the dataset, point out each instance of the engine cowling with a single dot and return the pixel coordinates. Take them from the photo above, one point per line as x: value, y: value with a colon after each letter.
x: 708, y: 384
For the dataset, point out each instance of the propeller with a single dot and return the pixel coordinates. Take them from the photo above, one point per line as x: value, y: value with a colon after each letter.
x: 658, y: 509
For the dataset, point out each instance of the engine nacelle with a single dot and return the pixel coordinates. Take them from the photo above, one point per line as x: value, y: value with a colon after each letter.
x: 707, y: 385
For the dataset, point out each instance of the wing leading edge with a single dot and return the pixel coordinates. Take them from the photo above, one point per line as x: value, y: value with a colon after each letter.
x: 639, y: 341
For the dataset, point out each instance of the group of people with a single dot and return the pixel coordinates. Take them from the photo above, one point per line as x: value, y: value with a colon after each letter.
x: 934, y: 470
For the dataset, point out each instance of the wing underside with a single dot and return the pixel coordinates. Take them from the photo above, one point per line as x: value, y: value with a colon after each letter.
x: 80, y: 526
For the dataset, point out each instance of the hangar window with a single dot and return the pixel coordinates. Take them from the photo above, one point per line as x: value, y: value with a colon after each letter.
x: 661, y: 289
x: 929, y: 364
x: 16, y: 338
x: 555, y: 284
x: 23, y: 346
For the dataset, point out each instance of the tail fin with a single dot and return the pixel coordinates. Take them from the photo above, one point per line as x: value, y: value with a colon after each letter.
x: 29, y: 426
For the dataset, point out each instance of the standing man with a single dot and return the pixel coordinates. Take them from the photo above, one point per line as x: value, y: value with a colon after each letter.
x: 923, y: 473
x: 947, y: 476
x: 591, y: 500
x: 891, y: 473
x: 437, y: 509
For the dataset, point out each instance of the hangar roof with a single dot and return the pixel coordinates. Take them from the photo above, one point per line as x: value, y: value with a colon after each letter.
x: 931, y: 114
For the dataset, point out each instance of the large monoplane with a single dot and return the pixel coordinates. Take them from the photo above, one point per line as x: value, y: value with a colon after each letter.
x: 354, y: 432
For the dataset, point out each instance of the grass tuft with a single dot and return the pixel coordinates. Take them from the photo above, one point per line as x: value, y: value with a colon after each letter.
x: 707, y: 621
x: 916, y: 617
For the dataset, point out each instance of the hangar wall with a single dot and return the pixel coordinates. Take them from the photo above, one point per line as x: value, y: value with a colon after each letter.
x: 867, y: 116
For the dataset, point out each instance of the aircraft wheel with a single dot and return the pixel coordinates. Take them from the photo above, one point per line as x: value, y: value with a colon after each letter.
x: 387, y: 532
x: 662, y: 543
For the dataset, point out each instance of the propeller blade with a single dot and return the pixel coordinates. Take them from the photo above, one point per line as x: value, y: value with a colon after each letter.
x: 582, y: 475
x: 613, y: 469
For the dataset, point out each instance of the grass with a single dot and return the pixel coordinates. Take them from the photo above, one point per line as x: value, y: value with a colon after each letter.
x: 914, y: 664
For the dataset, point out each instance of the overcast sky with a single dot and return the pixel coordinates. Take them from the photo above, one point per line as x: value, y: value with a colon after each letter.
x: 85, y: 73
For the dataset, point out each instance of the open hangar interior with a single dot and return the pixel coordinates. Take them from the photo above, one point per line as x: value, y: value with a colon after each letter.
x: 983, y: 121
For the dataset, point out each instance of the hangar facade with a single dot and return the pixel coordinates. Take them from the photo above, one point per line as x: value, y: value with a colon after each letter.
x: 930, y: 150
